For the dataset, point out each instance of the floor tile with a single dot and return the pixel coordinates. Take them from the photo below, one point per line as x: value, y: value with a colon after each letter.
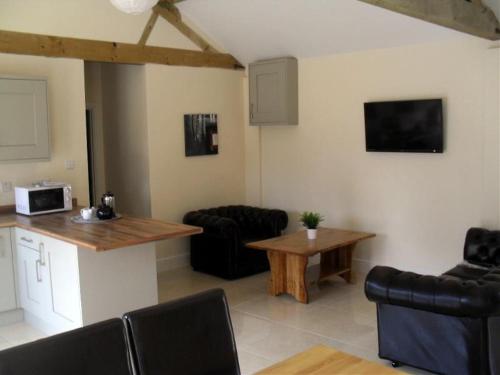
x: 251, y: 363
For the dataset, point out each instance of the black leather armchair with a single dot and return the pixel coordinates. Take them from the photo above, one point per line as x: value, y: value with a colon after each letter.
x: 220, y: 250
x: 99, y: 349
x: 448, y: 324
x: 189, y: 336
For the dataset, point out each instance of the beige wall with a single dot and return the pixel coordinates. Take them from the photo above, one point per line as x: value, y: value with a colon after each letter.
x: 66, y: 120
x: 93, y: 101
x: 126, y: 138
x: 419, y: 205
x: 180, y: 183
x: 177, y: 183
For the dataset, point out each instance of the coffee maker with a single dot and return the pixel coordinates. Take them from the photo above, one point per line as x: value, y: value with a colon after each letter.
x: 106, y: 210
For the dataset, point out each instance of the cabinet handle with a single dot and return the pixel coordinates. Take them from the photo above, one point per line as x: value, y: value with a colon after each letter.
x: 28, y: 240
x: 41, y: 248
x: 251, y: 111
x: 2, y: 248
x: 37, y: 267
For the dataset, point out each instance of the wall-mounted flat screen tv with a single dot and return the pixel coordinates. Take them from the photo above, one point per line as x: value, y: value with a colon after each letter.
x: 404, y: 126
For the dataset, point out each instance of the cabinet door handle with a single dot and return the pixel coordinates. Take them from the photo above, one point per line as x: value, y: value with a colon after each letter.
x: 37, y: 267
x: 41, y: 247
x: 251, y: 111
x: 28, y: 240
x: 2, y: 248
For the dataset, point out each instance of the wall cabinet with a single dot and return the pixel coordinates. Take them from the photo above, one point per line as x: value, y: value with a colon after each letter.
x: 273, y: 95
x: 7, y: 285
x: 48, y: 281
x: 24, y: 127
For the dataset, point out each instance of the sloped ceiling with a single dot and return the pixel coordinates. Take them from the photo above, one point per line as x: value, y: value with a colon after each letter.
x: 259, y: 29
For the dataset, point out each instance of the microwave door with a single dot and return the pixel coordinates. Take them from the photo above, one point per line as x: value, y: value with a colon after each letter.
x: 46, y: 200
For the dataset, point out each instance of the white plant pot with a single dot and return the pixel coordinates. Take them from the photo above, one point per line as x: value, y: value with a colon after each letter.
x: 312, y: 234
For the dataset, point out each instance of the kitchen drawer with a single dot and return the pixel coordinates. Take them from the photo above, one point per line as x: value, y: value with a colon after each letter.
x: 28, y: 239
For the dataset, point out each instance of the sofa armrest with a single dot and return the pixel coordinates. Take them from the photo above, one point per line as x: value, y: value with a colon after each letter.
x: 213, y: 225
x: 439, y: 294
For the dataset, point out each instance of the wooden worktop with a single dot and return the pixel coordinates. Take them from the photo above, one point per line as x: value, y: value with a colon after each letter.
x: 127, y: 231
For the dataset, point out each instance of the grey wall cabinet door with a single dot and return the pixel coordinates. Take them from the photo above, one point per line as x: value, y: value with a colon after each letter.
x: 24, y: 127
x: 274, y: 92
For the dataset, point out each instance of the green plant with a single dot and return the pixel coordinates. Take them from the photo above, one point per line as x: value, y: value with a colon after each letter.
x: 311, y: 220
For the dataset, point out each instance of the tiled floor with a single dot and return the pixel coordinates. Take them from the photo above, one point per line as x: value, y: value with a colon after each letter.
x: 270, y: 329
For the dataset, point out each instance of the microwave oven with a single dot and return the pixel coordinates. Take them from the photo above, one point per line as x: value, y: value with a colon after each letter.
x: 43, y: 198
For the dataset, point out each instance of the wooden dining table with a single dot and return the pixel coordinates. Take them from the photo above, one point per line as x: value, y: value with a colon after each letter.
x: 323, y: 360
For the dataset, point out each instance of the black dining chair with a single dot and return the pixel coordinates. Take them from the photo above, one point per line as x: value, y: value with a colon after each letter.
x: 98, y: 349
x: 189, y: 336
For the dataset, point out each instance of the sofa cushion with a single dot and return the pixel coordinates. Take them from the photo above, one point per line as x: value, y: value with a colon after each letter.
x: 466, y: 273
x: 482, y: 247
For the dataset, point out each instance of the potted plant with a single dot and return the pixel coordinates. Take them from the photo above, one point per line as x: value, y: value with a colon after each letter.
x: 311, y: 221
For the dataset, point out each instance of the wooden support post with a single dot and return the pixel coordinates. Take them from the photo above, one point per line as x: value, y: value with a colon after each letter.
x: 149, y: 27
x: 469, y: 17
x: 171, y: 14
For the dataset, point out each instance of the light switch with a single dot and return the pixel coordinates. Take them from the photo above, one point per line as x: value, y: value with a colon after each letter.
x: 69, y: 164
x: 6, y: 186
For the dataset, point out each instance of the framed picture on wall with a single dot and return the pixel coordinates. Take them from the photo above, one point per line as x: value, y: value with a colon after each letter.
x: 200, y: 134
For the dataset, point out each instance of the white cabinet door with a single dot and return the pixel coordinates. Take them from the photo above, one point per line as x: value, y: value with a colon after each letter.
x: 24, y: 127
x: 62, y: 267
x: 7, y: 285
x: 33, y: 281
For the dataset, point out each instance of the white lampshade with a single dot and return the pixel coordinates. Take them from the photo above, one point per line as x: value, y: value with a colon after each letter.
x: 134, y: 6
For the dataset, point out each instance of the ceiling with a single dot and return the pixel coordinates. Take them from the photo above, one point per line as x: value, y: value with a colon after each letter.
x: 258, y: 29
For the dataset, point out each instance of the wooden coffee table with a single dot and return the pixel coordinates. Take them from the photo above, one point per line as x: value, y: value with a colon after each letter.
x: 288, y: 256
x: 327, y: 361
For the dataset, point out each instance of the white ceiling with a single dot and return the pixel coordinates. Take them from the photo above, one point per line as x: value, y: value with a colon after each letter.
x: 258, y: 29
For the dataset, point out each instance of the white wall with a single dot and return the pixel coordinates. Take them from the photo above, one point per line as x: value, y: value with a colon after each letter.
x: 419, y: 205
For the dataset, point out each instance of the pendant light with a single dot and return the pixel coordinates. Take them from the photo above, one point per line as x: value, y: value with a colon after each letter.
x: 134, y: 6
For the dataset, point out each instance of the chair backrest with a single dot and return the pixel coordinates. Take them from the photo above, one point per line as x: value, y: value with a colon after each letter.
x: 189, y: 336
x: 98, y: 349
x: 482, y: 247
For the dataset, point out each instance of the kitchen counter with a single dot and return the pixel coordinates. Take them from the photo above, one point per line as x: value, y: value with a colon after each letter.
x: 127, y: 231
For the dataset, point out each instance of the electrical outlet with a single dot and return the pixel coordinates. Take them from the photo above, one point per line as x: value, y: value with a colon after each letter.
x: 69, y: 164
x: 6, y: 186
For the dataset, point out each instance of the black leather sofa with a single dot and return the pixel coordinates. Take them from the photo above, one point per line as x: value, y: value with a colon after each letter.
x: 448, y: 324
x: 220, y: 250
x: 190, y: 336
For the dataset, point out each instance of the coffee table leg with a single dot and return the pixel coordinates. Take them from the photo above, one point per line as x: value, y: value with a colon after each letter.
x: 347, y: 261
x: 337, y: 262
x: 277, y: 280
x: 296, y: 266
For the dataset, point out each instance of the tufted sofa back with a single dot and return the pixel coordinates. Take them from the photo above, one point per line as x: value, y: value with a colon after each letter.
x: 252, y: 220
x: 482, y: 247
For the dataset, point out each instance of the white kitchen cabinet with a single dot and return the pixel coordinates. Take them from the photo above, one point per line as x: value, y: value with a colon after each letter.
x: 33, y: 282
x: 48, y: 282
x: 62, y: 267
x: 64, y: 286
x: 24, y: 126
x: 7, y: 285
x: 273, y: 94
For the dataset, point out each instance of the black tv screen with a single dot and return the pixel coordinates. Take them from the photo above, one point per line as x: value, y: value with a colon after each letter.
x: 404, y: 126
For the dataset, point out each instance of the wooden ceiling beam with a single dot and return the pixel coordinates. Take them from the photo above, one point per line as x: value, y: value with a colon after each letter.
x: 469, y: 17
x: 148, y: 28
x: 170, y: 13
x: 93, y: 50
